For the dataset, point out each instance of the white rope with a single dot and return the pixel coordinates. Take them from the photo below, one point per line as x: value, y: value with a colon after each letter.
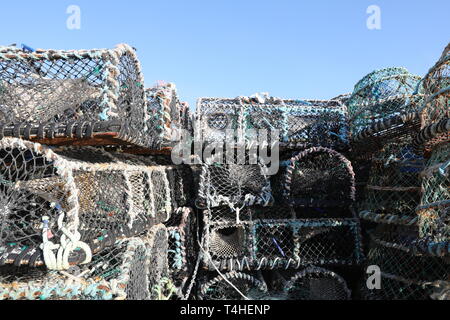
x: 69, y: 242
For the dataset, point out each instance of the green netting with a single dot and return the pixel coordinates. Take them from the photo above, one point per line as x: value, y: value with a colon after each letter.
x: 437, y: 89
x: 434, y: 217
x: 393, y: 186
x: 381, y: 95
x: 405, y: 273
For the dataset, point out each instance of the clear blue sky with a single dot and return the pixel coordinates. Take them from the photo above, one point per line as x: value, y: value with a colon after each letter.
x: 292, y: 49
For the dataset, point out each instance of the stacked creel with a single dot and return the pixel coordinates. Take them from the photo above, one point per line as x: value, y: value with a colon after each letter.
x: 64, y: 208
x: 82, y: 218
x: 383, y: 107
x: 183, y: 250
x: 433, y: 143
x: 385, y: 119
x: 257, y: 225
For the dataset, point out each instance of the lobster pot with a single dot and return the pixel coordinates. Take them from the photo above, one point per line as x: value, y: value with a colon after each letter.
x: 224, y: 287
x: 168, y: 115
x: 437, y: 90
x: 362, y: 165
x: 319, y: 177
x: 406, y: 274
x: 315, y: 283
x: 225, y: 214
x: 181, y: 252
x: 298, y: 122
x: 216, y: 117
x: 157, y: 243
x: 60, y: 97
x: 394, y: 288
x: 117, y: 273
x: 279, y: 244
x: 433, y: 212
x: 48, y: 198
x: 393, y: 190
x: 379, y: 98
x: 233, y: 185
x: 316, y: 123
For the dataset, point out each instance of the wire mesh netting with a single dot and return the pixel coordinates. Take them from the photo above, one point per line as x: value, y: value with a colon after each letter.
x: 280, y: 244
x: 315, y: 283
x: 299, y: 122
x: 54, y: 95
x: 434, y: 217
x: 224, y: 287
x: 117, y: 273
x: 393, y: 190
x: 57, y: 211
x: 384, y: 105
x: 319, y: 177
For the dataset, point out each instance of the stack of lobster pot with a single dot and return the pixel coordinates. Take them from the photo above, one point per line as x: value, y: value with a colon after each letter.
x: 77, y: 221
x: 384, y: 120
x: 433, y: 143
x: 283, y: 233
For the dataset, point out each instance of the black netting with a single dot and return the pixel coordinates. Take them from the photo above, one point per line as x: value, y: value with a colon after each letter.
x: 393, y: 186
x: 316, y: 284
x: 319, y: 177
x: 434, y: 217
